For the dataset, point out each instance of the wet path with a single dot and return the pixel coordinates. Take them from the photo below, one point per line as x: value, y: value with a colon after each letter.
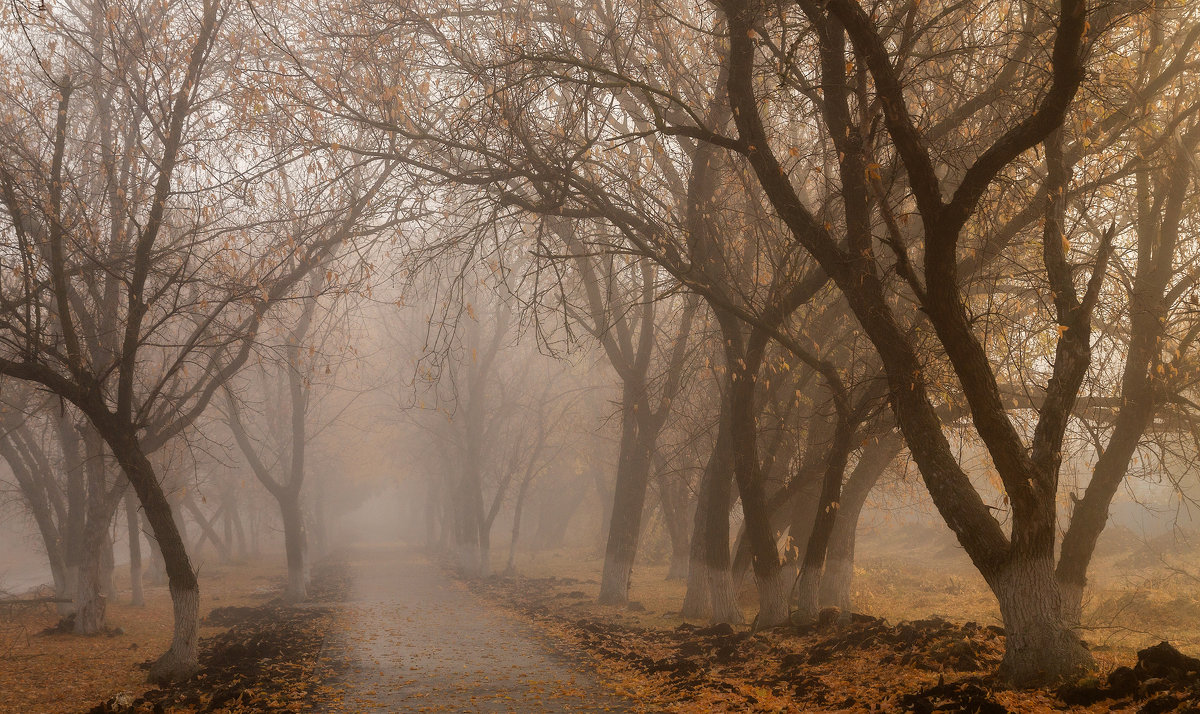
x: 414, y: 640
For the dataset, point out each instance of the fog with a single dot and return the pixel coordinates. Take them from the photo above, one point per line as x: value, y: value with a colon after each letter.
x: 775, y: 318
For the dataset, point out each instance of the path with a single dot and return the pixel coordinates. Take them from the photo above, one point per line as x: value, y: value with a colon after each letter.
x: 415, y: 640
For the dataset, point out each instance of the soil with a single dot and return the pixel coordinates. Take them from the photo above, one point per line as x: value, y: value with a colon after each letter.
x: 266, y: 661
x: 844, y: 663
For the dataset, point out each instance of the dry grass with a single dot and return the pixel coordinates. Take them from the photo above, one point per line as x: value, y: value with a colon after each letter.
x: 1141, y: 592
x: 71, y: 673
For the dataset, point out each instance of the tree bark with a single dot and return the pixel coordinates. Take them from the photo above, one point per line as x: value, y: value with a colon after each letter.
x: 718, y: 576
x: 94, y: 576
x: 695, y: 599
x: 624, y: 531
x: 137, y: 596
x: 90, y: 602
x: 1041, y: 647
x: 743, y: 365
x: 181, y: 660
x: 629, y: 500
x: 518, y: 511
x: 673, y: 500
x: 838, y: 577
x: 294, y: 544
x: 828, y: 505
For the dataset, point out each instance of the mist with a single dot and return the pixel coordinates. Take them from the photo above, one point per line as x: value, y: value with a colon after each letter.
x: 568, y: 356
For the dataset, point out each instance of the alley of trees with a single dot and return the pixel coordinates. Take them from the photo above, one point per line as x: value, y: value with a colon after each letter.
x: 698, y: 277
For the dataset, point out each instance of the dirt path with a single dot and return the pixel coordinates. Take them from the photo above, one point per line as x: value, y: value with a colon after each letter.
x: 414, y: 640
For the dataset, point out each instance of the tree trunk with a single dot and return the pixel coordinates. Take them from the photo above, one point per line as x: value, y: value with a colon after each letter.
x: 624, y: 531
x: 1041, y: 647
x: 137, y: 597
x: 718, y: 576
x: 680, y: 558
x: 181, y: 660
x: 90, y: 602
x: 76, y: 484
x: 606, y: 496
x: 32, y: 481
x: 108, y: 565
x: 518, y: 510
x: 673, y: 497
x: 828, y: 504
x: 484, y: 550
x: 239, y: 530
x: 747, y: 469
x: 207, y: 532
x: 839, y: 560
x: 695, y: 599
x: 629, y: 500
x: 156, y: 569
x: 294, y: 545
x: 96, y: 557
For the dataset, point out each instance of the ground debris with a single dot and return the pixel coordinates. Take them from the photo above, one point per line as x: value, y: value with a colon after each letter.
x: 968, y: 696
x: 265, y: 661
x: 934, y: 644
x: 834, y: 664
x: 1163, y: 680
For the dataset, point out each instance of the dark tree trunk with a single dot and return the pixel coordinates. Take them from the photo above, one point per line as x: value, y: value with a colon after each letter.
x: 673, y: 497
x: 90, y: 602
x: 1041, y: 647
x: 718, y: 502
x: 838, y: 577
x: 695, y: 599
x: 606, y: 496
x: 1158, y: 234
x: 137, y: 596
x: 156, y: 570
x: 182, y: 659
x: 769, y: 574
x: 294, y: 540
x: 828, y: 504
x: 518, y: 511
x: 629, y: 500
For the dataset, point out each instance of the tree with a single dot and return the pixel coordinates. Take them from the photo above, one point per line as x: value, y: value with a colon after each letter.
x: 143, y: 271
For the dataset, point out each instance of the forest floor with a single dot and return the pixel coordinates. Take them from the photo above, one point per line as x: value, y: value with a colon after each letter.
x: 253, y: 650
x: 932, y: 641
x: 390, y: 630
x: 45, y: 671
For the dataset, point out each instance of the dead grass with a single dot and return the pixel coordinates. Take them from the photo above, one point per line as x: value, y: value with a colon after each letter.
x: 1141, y: 592
x: 71, y: 673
